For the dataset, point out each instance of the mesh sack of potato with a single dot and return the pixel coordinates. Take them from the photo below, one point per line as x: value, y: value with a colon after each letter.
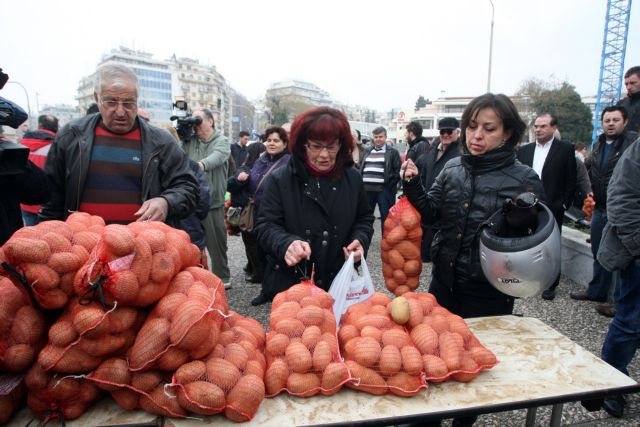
x: 12, y: 394
x: 86, y: 334
x: 400, y: 248
x: 22, y: 329
x: 44, y: 259
x: 379, y: 352
x: 56, y: 397
x: 133, y: 264
x: 448, y: 348
x: 302, y: 352
x: 184, y: 325
x: 147, y: 390
x: 230, y: 380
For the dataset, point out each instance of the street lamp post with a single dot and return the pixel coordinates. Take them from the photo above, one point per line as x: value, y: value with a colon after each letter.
x: 27, y: 95
x: 490, y: 48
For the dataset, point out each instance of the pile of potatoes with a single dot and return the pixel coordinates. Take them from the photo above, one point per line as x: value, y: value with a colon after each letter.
x: 379, y: 352
x: 44, y: 258
x: 302, y: 346
x: 447, y: 346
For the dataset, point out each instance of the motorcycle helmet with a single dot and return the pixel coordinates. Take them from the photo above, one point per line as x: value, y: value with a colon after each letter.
x: 520, y: 264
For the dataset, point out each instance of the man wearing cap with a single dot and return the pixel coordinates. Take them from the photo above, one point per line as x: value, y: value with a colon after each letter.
x: 430, y: 163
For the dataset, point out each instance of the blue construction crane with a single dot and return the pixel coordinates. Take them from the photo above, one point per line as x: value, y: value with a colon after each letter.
x: 614, y: 47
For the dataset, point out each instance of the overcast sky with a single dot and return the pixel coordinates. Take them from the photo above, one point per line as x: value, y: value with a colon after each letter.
x: 381, y: 54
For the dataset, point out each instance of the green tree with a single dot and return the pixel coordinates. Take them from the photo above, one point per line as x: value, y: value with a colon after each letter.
x: 564, y: 102
x: 421, y: 102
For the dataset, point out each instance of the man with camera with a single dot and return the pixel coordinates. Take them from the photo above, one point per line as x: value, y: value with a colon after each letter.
x: 115, y: 165
x: 212, y: 151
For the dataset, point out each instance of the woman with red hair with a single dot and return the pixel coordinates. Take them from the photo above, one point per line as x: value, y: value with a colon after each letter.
x: 314, y: 211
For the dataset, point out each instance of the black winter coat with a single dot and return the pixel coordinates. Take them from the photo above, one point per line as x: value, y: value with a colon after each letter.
x: 192, y: 224
x: 600, y: 176
x: 464, y: 195
x: 29, y: 187
x: 165, y: 170
x: 430, y: 167
x: 294, y: 207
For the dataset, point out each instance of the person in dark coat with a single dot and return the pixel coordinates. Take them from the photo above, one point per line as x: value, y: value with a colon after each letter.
x: 314, y: 211
x: 554, y: 161
x: 431, y: 163
x: 253, y: 180
x: 464, y: 195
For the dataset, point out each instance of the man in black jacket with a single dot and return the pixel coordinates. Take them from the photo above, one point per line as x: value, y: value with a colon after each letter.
x: 632, y: 102
x: 417, y: 143
x: 611, y: 144
x: 431, y: 163
x: 381, y: 173
x: 555, y: 163
x: 114, y: 164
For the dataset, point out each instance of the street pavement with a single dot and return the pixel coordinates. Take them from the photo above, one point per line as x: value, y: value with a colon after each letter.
x: 577, y: 320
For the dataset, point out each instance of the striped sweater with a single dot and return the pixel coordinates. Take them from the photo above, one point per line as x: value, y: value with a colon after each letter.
x: 114, y: 182
x: 373, y: 170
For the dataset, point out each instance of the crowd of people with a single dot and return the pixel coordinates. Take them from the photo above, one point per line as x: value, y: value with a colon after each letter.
x: 304, y: 197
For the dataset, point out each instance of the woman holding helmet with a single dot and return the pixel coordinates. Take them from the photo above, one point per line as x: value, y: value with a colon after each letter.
x: 468, y: 191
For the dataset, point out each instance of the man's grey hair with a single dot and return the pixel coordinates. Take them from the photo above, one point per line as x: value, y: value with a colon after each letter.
x: 111, y: 72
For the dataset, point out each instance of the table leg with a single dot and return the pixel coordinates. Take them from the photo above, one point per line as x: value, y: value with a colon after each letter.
x: 556, y: 415
x: 531, y: 417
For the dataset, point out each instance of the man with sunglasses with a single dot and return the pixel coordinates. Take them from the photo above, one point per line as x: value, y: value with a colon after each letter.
x: 430, y: 163
x: 114, y: 164
x: 381, y: 173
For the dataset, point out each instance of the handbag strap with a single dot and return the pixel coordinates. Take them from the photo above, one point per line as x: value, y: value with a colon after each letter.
x: 267, y: 174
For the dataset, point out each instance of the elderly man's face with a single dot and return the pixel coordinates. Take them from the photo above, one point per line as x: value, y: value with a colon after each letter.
x: 118, y: 104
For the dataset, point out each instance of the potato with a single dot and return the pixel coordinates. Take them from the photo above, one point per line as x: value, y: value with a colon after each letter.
x: 399, y: 310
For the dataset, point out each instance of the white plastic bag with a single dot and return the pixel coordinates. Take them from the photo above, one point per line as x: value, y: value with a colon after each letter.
x: 348, y: 287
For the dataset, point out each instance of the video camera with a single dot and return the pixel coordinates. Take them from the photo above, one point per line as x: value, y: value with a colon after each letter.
x: 13, y: 157
x: 185, y: 121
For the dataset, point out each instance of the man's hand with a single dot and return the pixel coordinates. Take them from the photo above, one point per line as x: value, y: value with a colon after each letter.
x: 408, y: 170
x: 356, y: 248
x: 296, y: 252
x: 243, y: 176
x: 155, y: 209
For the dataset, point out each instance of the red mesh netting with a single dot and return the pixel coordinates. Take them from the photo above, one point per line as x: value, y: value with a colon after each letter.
x: 134, y: 264
x: 86, y: 334
x: 52, y: 396
x: 302, y: 348
x: 44, y: 259
x: 184, y: 325
x: 378, y: 351
x: 400, y: 248
x: 22, y: 329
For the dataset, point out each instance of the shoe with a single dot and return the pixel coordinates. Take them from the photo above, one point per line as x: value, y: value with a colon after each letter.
x: 227, y: 285
x: 584, y: 296
x: 549, y: 294
x: 252, y: 278
x: 606, y: 309
x: 259, y: 300
x: 614, y: 406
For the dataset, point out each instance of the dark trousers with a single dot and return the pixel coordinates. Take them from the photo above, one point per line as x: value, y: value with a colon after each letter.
x: 600, y: 285
x: 472, y: 301
x: 559, y: 217
x: 623, y: 337
x: 384, y: 199
x: 254, y: 258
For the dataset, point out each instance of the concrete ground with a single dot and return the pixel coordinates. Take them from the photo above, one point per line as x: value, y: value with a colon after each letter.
x: 577, y: 320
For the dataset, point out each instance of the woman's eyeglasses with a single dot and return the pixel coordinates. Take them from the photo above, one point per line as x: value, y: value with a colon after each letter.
x: 314, y: 147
